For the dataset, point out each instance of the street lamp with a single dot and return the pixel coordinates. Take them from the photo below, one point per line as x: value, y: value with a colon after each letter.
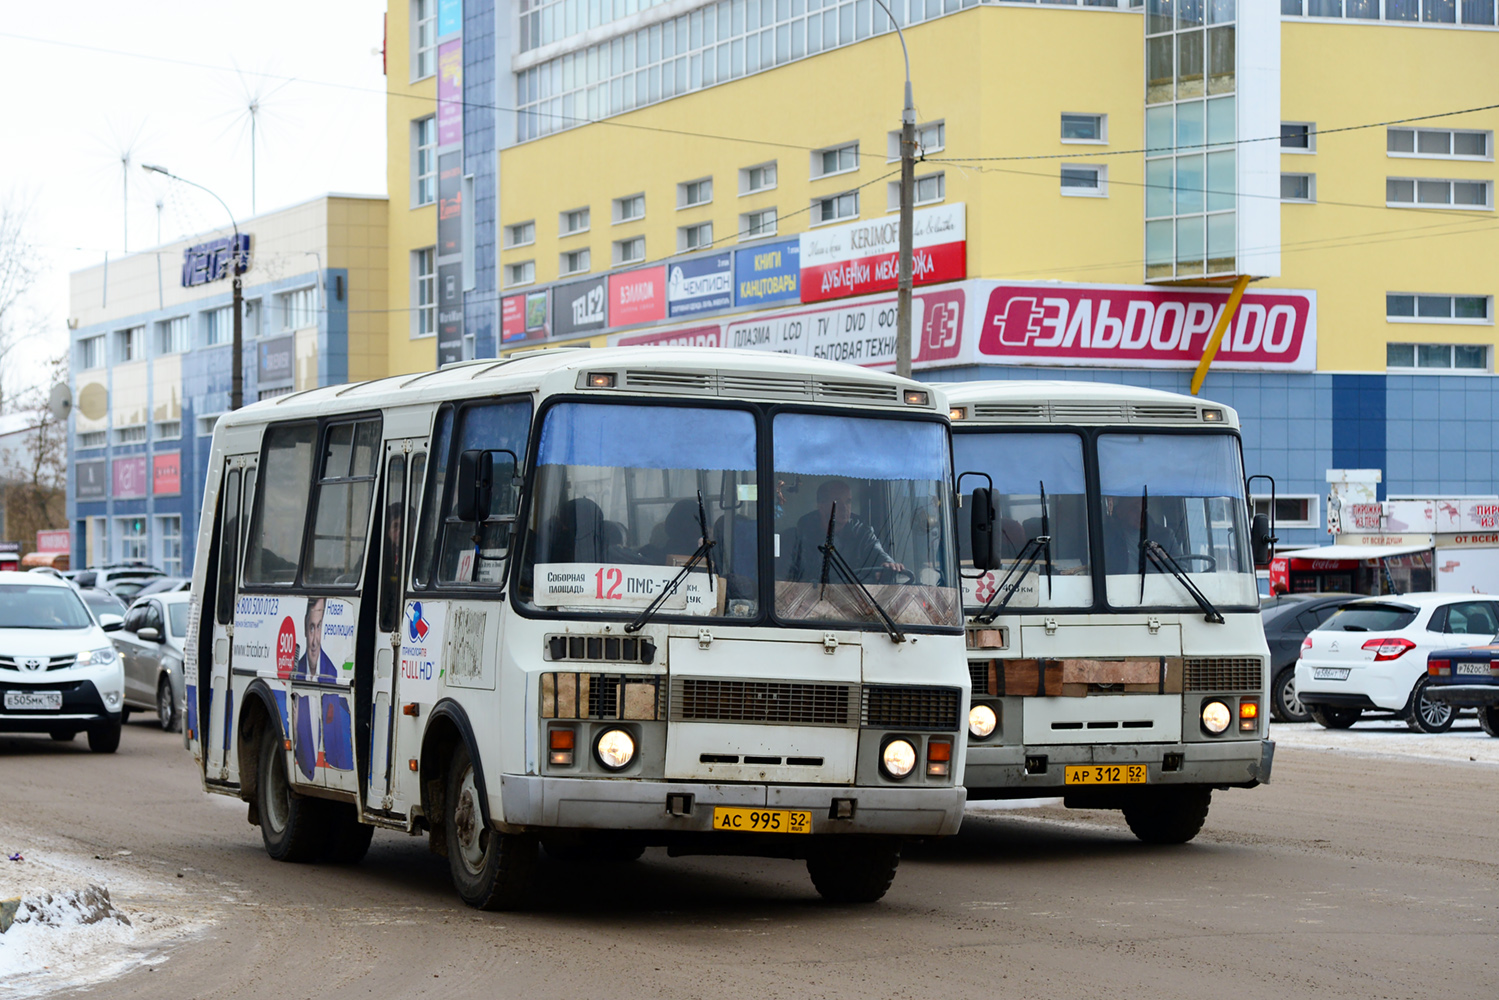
x: 237, y: 367
x: 907, y: 191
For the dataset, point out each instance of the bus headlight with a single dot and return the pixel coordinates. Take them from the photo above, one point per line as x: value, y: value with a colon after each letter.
x: 1216, y: 717
x: 615, y: 749
x: 898, y: 758
x: 981, y: 722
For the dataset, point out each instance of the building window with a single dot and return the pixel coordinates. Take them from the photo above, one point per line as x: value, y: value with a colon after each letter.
x: 836, y: 160
x: 521, y: 234
x: 1088, y: 181
x: 1298, y: 137
x: 132, y: 535
x: 423, y: 38
x: 629, y: 251
x: 1478, y: 13
x: 424, y: 291
x: 930, y: 138
x: 93, y: 439
x: 424, y: 161
x: 1440, y: 143
x: 167, y: 430
x: 169, y: 531
x: 1298, y: 187
x: 1290, y: 511
x: 134, y: 434
x: 172, y: 336
x: 695, y: 237
x: 1441, y: 357
x: 130, y: 345
x: 753, y: 225
x: 207, y: 422
x: 91, y: 353
x: 629, y: 209
x: 523, y: 273
x: 694, y: 193
x: 298, y: 309
x: 218, y: 326
x: 1085, y: 128
x: 927, y: 190
x: 835, y: 208
x: 1401, y: 307
x: 575, y: 221
x: 757, y: 178
x: 575, y: 262
x: 1430, y: 191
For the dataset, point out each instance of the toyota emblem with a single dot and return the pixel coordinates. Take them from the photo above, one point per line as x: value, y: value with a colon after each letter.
x: 33, y: 663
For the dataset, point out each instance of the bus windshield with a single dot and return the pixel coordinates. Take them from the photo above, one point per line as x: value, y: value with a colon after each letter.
x: 878, y: 489
x: 1024, y: 466
x: 1184, y: 492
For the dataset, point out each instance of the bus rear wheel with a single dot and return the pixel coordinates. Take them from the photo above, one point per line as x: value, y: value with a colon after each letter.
x: 852, y: 870
x: 1168, y: 815
x: 491, y: 870
x: 293, y: 826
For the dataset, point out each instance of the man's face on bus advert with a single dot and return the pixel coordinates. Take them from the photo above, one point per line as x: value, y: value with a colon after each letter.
x: 314, y: 623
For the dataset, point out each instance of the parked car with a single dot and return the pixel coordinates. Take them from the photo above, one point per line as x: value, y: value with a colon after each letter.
x: 107, y: 608
x: 1287, y: 620
x: 1371, y: 657
x: 150, y: 645
x: 1467, y: 678
x: 122, y: 579
x: 59, y: 673
x: 165, y: 585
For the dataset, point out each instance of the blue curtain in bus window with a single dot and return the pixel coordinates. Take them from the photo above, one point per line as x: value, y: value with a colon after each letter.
x: 612, y: 435
x: 1018, y: 462
x: 813, y: 444
x: 1177, y: 465
x: 496, y: 425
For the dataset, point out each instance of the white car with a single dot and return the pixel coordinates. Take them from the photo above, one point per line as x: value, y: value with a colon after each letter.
x: 59, y: 673
x: 1371, y: 656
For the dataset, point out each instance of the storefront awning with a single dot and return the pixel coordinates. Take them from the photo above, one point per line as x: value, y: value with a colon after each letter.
x: 1354, y: 552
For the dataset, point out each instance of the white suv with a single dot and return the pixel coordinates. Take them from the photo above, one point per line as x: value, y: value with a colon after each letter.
x: 1371, y: 656
x: 59, y: 673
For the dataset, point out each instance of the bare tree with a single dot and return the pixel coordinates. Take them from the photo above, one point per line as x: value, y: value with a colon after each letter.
x: 20, y: 267
x: 34, y: 469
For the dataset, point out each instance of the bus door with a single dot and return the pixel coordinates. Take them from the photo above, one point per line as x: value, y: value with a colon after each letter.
x: 217, y: 708
x: 405, y: 467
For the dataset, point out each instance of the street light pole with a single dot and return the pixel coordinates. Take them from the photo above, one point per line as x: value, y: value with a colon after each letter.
x: 237, y: 364
x: 907, y: 199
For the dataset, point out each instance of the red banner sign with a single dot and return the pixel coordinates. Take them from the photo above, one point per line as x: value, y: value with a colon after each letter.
x: 54, y: 541
x: 697, y: 336
x: 864, y: 257
x: 637, y: 296
x: 166, y: 474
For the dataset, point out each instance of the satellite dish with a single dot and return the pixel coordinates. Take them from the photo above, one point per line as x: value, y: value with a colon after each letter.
x: 60, y: 401
x: 93, y: 401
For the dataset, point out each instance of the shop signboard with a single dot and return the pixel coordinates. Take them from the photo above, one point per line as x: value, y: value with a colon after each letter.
x: 166, y: 474
x: 449, y: 313
x: 449, y: 17
x: 768, y: 275
x: 205, y: 262
x: 580, y: 307
x: 450, y: 204
x: 129, y: 477
x: 1468, y: 515
x: 274, y: 360
x: 864, y: 257
x: 705, y: 284
x: 56, y: 540
x: 92, y: 480
x: 860, y: 334
x: 1145, y: 327
x: 696, y: 336
x: 523, y: 317
x: 637, y: 296
x: 450, y: 93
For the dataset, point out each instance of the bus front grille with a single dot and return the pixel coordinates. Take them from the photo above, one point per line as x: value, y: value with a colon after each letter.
x: 890, y: 707
x: 1224, y: 673
x: 702, y: 699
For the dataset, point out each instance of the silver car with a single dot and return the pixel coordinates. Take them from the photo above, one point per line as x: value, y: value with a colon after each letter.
x: 150, y: 645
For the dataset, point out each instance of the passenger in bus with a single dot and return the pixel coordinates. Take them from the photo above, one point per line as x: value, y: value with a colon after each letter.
x: 580, y: 534
x: 679, y: 536
x: 1121, y: 534
x: 854, y: 539
x: 314, y: 664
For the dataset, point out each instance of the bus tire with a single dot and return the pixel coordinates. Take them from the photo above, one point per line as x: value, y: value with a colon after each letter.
x: 293, y: 826
x: 1329, y: 717
x: 1168, y: 815
x: 104, y: 737
x: 1488, y: 718
x: 348, y: 839
x: 491, y: 870
x: 853, y: 870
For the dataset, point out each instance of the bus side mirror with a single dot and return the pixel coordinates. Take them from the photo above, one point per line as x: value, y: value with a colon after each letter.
x: 982, y: 521
x: 1260, y: 539
x: 475, y: 486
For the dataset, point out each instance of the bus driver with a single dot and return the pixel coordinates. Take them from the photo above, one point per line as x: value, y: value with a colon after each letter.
x: 854, y: 539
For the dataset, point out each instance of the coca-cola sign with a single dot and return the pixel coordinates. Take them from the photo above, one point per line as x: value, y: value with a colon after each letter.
x: 1142, y: 326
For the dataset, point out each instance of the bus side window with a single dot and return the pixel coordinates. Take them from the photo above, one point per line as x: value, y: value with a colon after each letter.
x: 431, y: 498
x: 346, y: 485
x: 228, y: 549
x: 280, y: 513
x: 392, y: 539
x: 497, y: 428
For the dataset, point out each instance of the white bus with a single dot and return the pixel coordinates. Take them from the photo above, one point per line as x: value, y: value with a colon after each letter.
x: 1114, y: 635
x: 588, y: 599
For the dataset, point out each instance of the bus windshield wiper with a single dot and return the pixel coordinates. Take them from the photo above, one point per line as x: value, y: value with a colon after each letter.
x: 1166, y: 563
x: 832, y: 557
x: 703, y: 553
x: 1024, y: 561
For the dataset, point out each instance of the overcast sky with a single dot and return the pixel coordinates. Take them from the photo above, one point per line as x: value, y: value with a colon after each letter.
x: 169, y: 82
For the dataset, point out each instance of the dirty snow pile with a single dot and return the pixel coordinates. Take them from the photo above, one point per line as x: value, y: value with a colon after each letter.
x: 59, y: 935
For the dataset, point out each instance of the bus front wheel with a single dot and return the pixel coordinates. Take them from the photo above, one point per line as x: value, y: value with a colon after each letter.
x: 491, y: 870
x: 850, y: 871
x: 1168, y: 815
x: 292, y: 826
